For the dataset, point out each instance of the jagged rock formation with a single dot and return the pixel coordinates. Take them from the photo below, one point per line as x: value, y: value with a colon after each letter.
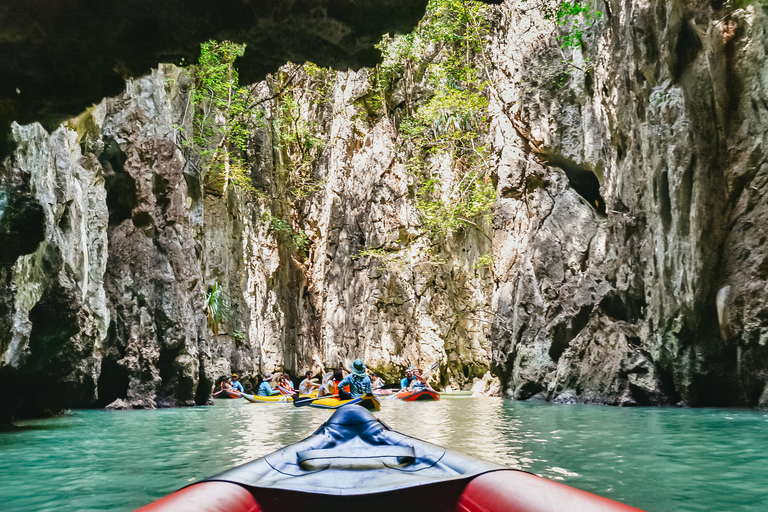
x: 630, y: 228
x: 629, y: 234
x: 134, y: 316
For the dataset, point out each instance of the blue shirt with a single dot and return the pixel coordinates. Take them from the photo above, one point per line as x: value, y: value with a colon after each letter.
x: 266, y: 390
x: 358, y: 386
x: 406, y: 382
x: 237, y: 386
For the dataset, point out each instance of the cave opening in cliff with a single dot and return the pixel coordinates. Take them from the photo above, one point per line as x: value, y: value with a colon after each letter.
x: 120, y: 186
x: 55, y: 351
x: 583, y: 180
x: 113, y: 381
x: 114, y: 378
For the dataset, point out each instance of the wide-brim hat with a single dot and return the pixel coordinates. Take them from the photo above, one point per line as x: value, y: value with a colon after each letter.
x: 358, y: 368
x: 268, y: 376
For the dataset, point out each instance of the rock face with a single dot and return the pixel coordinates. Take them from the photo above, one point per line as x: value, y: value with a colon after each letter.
x: 58, y: 314
x: 630, y: 228
x: 628, y: 236
x: 118, y: 287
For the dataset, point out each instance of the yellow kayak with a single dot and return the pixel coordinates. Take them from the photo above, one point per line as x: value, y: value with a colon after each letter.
x: 370, y: 402
x: 256, y: 399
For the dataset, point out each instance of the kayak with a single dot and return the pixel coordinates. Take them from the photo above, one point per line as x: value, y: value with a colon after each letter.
x: 379, y: 392
x: 225, y: 394
x: 370, y: 402
x: 256, y: 399
x: 418, y: 394
x: 355, y: 460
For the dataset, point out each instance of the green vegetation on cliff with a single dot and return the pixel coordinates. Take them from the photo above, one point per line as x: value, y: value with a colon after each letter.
x: 221, y: 116
x: 445, y: 51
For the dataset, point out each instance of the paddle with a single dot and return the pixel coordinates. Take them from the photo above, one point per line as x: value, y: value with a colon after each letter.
x: 301, y: 402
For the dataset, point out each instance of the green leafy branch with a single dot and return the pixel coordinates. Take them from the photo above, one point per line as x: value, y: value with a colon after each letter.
x: 222, y: 112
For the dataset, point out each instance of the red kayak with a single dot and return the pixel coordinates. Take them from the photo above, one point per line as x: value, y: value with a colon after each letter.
x: 355, y: 460
x: 227, y: 394
x: 418, y: 394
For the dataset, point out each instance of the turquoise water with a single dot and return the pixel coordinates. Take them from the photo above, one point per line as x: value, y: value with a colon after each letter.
x: 655, y: 459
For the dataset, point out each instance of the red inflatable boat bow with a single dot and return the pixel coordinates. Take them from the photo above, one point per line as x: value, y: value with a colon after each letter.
x: 515, y: 491
x: 206, y: 497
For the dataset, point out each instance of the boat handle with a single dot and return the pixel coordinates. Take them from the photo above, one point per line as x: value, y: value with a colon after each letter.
x: 374, y: 452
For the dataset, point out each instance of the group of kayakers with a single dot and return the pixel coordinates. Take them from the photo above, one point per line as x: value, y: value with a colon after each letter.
x: 356, y: 382
x: 232, y: 385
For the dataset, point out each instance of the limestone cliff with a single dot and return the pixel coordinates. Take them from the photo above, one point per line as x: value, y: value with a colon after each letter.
x: 628, y: 234
x: 630, y: 228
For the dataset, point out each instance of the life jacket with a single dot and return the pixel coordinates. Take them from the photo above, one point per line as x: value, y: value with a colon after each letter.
x: 335, y: 387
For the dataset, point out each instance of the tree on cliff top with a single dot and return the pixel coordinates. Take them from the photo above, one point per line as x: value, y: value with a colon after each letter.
x: 220, y: 131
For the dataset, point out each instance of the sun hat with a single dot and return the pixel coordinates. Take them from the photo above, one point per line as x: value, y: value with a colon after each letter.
x: 358, y: 368
x: 234, y: 375
x: 268, y: 376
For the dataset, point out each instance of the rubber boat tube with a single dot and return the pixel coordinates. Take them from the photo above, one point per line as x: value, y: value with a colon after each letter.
x: 256, y: 399
x: 420, y: 394
x: 353, y: 459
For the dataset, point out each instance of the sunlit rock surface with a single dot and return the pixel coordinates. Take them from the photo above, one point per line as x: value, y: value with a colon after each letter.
x: 629, y: 235
x: 609, y: 294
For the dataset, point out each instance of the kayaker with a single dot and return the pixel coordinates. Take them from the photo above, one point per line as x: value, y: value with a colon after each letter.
x: 235, y: 383
x: 264, y: 388
x: 286, y: 384
x: 226, y: 384
x: 376, y: 381
x: 409, y: 378
x: 306, y: 386
x: 358, y: 381
x: 419, y: 381
x: 331, y: 382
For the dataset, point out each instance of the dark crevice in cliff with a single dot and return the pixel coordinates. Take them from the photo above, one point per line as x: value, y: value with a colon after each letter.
x: 121, y: 187
x: 22, y: 224
x: 204, y: 384
x: 113, y: 379
x: 166, y: 366
x: 564, y: 332
x: 56, y: 355
x: 624, y: 308
x: 687, y: 48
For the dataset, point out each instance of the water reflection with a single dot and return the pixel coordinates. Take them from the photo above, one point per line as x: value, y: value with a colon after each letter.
x: 656, y: 459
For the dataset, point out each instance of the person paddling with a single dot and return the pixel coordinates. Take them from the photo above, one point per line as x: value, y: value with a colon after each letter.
x: 235, y: 383
x: 264, y: 388
x: 419, y: 381
x: 306, y: 386
x: 409, y: 378
x: 358, y: 381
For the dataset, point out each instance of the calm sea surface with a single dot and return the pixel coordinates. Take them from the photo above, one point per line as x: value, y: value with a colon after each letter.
x: 656, y: 459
